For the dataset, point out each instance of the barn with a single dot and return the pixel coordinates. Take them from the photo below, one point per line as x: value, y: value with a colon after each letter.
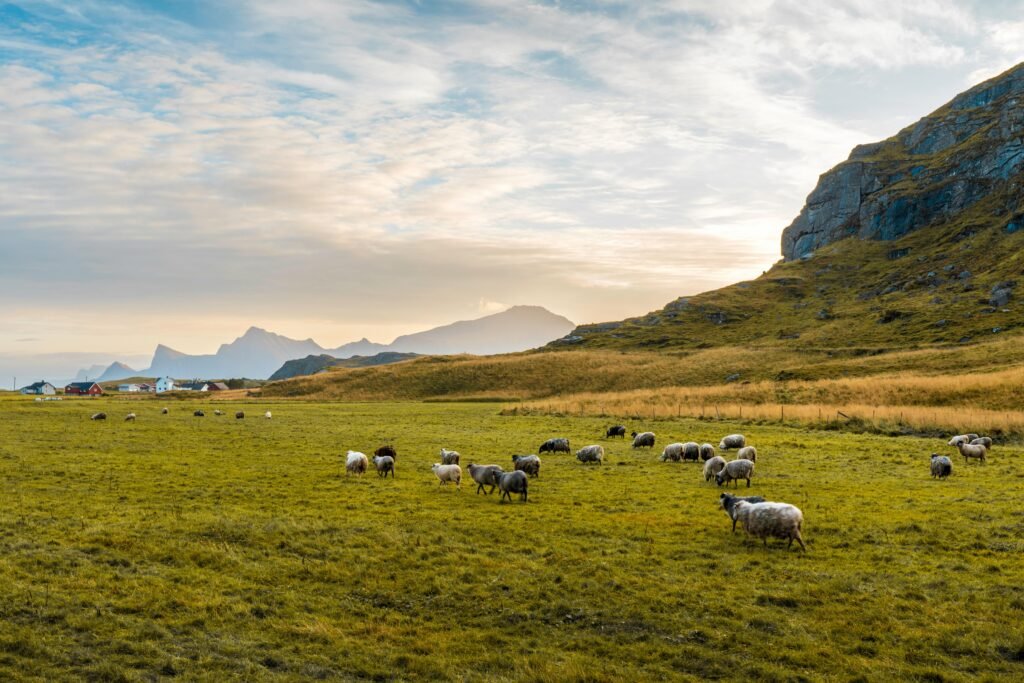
x: 83, y: 389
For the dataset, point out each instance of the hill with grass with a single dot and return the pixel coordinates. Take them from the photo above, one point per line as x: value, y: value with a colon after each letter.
x: 313, y: 364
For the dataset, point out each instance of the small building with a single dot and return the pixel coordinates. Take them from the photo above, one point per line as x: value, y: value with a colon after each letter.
x: 40, y: 388
x: 216, y: 386
x: 146, y: 387
x: 132, y: 388
x: 194, y: 386
x: 83, y: 389
x: 164, y: 384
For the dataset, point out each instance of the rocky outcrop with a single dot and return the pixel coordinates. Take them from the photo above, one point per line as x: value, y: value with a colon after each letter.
x: 969, y: 150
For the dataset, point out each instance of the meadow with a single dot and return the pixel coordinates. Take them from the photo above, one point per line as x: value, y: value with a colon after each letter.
x: 215, y: 549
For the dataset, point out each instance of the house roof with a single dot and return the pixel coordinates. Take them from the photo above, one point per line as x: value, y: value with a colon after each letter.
x: 218, y: 385
x: 36, y: 385
x: 83, y: 386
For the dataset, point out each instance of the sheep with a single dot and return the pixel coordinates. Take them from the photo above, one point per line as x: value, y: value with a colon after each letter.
x: 691, y: 451
x: 447, y: 473
x: 267, y: 415
x: 727, y: 502
x: 218, y: 413
x: 707, y: 451
x: 732, y: 441
x: 982, y: 441
x: 617, y: 430
x: 560, y: 445
x: 962, y: 438
x: 449, y: 457
x: 672, y: 453
x: 198, y: 413
x: 644, y: 440
x: 779, y: 520
x: 99, y: 416
x: 942, y: 467
x: 239, y: 415
x: 530, y: 464
x: 384, y: 464
x: 387, y: 450
x: 713, y: 467
x: 485, y: 475
x: 130, y: 417
x: 593, y: 453
x: 969, y: 451
x: 164, y: 411
x: 355, y: 463
x: 512, y: 482
x: 734, y: 471
x: 747, y: 453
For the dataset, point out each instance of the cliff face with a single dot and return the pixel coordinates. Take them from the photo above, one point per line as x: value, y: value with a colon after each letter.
x: 929, y: 173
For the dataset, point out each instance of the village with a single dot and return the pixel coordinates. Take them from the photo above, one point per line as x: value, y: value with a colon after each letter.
x: 89, y: 388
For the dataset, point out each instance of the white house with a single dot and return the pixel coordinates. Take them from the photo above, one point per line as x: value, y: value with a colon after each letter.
x: 164, y: 384
x: 39, y: 387
x: 128, y: 387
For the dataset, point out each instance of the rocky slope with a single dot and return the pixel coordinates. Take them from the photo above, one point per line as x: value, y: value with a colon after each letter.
x: 311, y: 365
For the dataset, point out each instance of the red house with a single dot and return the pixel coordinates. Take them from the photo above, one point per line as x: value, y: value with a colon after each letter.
x: 83, y: 389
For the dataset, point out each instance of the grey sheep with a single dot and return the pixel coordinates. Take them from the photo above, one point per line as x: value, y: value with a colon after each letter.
x: 747, y: 453
x: 617, y: 430
x: 164, y: 411
x: 727, y: 502
x: 512, y: 482
x: 449, y: 457
x: 969, y: 451
x: 671, y: 453
x: 239, y: 415
x: 593, y: 453
x: 530, y: 464
x: 734, y: 471
x: 982, y: 441
x: 691, y: 451
x: 384, y: 465
x: 644, y: 440
x: 713, y: 467
x: 447, y: 473
x: 199, y: 413
x: 942, y: 466
x: 962, y: 438
x: 707, y: 451
x: 560, y: 445
x: 732, y: 441
x: 485, y: 475
x: 777, y: 520
x: 99, y: 416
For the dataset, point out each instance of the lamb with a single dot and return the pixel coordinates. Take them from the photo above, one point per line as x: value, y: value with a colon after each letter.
x: 356, y: 463
x: 732, y: 441
x: 99, y: 416
x: 672, y: 453
x: 387, y: 450
x: 239, y: 415
x: 691, y: 451
x: 198, y: 413
x: 747, y: 453
x: 942, y: 467
x: 449, y: 457
x: 644, y: 440
x: 218, y: 412
x: 707, y: 451
x: 734, y: 471
x: 962, y: 438
x: 982, y: 441
x: 555, y: 446
x: 512, y: 482
x: 617, y: 430
x: 727, y: 502
x: 267, y: 415
x: 593, y: 453
x: 130, y: 417
x: 530, y: 464
x: 164, y: 411
x: 779, y: 520
x: 384, y: 464
x: 485, y: 475
x: 969, y: 451
x: 447, y: 473
x: 713, y: 467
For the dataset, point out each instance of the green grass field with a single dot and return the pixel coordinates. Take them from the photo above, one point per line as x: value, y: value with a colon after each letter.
x: 215, y: 549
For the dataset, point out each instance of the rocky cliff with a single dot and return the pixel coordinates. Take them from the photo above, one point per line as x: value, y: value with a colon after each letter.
x: 968, y: 151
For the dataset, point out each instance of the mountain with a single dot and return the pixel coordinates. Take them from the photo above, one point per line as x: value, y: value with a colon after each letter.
x: 311, y: 365
x: 90, y: 373
x: 116, y: 371
x: 914, y: 240
x: 516, y: 329
x: 255, y: 354
x: 363, y: 347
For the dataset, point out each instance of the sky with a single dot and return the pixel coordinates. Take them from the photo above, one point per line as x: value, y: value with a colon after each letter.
x: 175, y: 172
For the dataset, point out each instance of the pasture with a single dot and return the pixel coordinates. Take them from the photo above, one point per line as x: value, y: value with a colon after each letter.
x: 216, y: 549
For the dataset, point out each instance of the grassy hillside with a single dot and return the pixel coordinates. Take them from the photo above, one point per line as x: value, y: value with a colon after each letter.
x: 218, y: 549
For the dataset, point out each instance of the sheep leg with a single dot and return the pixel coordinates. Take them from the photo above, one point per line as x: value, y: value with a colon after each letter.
x: 748, y: 482
x: 799, y: 540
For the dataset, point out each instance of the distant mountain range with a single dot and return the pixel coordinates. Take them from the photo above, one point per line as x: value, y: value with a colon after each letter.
x: 257, y: 354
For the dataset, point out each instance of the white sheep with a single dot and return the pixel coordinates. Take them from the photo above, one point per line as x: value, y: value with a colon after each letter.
x: 732, y: 441
x: 941, y: 466
x: 267, y: 415
x: 672, y: 453
x: 962, y: 438
x: 447, y: 473
x: 485, y: 475
x: 130, y: 417
x: 593, y: 453
x: 356, y: 463
x: 778, y: 520
x: 969, y: 451
x: 691, y: 451
x: 512, y: 482
x: 747, y: 453
x: 643, y: 440
x: 734, y: 471
x: 713, y: 467
x: 727, y: 502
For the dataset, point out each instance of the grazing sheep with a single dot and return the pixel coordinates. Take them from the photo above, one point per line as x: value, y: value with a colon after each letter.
x: 267, y: 415
x: 198, y: 413
x: 672, y: 453
x: 942, y: 467
x: 485, y: 475
x: 164, y: 411
x: 560, y: 445
x: 713, y: 467
x: 778, y: 520
x: 734, y: 471
x: 982, y: 441
x: 593, y: 453
x: 449, y: 457
x: 691, y: 451
x: 727, y: 502
x: 218, y: 413
x: 969, y: 451
x: 962, y: 438
x: 644, y: 440
x: 707, y: 451
x: 530, y: 464
x: 99, y: 416
x: 512, y: 482
x: 356, y: 463
x: 447, y: 473
x: 130, y: 417
x: 239, y: 415
x: 747, y: 453
x: 384, y: 464
x: 732, y: 441
x: 387, y: 450
x: 617, y: 430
